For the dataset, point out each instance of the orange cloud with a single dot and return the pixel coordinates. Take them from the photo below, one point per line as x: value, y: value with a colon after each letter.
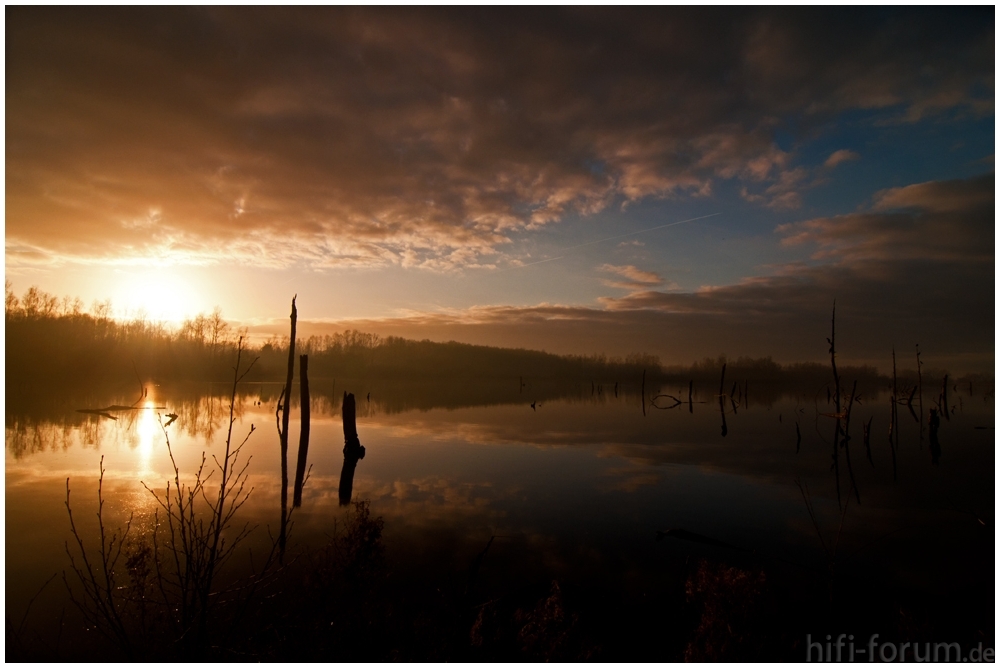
x: 840, y: 156
x: 420, y: 137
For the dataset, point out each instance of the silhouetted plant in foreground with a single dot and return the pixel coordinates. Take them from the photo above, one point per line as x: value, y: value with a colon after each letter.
x: 106, y: 601
x: 158, y: 592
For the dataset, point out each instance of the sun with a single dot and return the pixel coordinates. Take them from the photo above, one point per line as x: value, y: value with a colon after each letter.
x: 160, y: 294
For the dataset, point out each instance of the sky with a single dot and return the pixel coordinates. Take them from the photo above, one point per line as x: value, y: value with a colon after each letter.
x: 681, y: 181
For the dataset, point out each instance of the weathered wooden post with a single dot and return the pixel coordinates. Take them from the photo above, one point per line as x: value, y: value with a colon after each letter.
x: 353, y: 450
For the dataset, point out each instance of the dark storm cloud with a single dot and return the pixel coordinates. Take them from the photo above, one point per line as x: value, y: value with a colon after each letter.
x: 427, y: 137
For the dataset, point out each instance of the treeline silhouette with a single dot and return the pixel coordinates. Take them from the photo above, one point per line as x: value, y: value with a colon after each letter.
x: 52, y: 340
x: 766, y: 370
x: 55, y: 340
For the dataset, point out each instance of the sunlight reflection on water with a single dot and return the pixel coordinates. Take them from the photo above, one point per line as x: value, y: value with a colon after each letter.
x: 147, y: 429
x: 572, y: 477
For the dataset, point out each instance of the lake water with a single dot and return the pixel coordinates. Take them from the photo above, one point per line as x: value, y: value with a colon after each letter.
x: 574, y: 489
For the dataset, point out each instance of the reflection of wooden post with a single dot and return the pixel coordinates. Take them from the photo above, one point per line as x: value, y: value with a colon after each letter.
x: 300, y: 465
x: 286, y: 404
x: 934, y: 422
x: 353, y: 450
x: 944, y: 398
x: 920, y: 389
x: 722, y: 406
x: 836, y: 398
x: 643, y: 393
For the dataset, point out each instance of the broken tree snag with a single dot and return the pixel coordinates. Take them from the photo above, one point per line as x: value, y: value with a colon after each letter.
x: 920, y: 397
x: 353, y: 450
x: 300, y: 464
x: 643, y: 393
x: 722, y: 406
x: 836, y: 398
x: 944, y: 398
x: 283, y: 433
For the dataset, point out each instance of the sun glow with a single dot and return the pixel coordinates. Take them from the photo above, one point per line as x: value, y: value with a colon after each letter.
x: 158, y: 294
x: 147, y: 429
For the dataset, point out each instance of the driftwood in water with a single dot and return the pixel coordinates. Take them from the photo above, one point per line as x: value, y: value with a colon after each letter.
x: 300, y: 464
x: 677, y: 402
x: 353, y: 450
x: 96, y: 411
x: 116, y: 408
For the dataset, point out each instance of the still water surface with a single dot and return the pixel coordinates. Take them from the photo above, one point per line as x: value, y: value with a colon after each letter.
x: 575, y: 489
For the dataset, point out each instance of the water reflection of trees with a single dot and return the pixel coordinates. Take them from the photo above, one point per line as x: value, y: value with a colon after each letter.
x: 25, y: 435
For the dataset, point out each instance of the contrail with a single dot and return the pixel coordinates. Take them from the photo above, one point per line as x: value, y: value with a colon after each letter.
x: 619, y: 236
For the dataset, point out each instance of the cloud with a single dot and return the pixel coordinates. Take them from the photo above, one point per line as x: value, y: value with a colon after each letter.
x: 636, y: 279
x: 633, y: 273
x: 842, y: 155
x: 427, y: 137
x: 944, y: 220
x: 783, y: 190
x: 917, y: 267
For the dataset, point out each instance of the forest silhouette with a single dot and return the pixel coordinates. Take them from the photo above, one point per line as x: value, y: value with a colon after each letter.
x: 52, y: 341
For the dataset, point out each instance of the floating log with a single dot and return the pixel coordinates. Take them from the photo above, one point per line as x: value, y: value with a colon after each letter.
x: 116, y: 408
